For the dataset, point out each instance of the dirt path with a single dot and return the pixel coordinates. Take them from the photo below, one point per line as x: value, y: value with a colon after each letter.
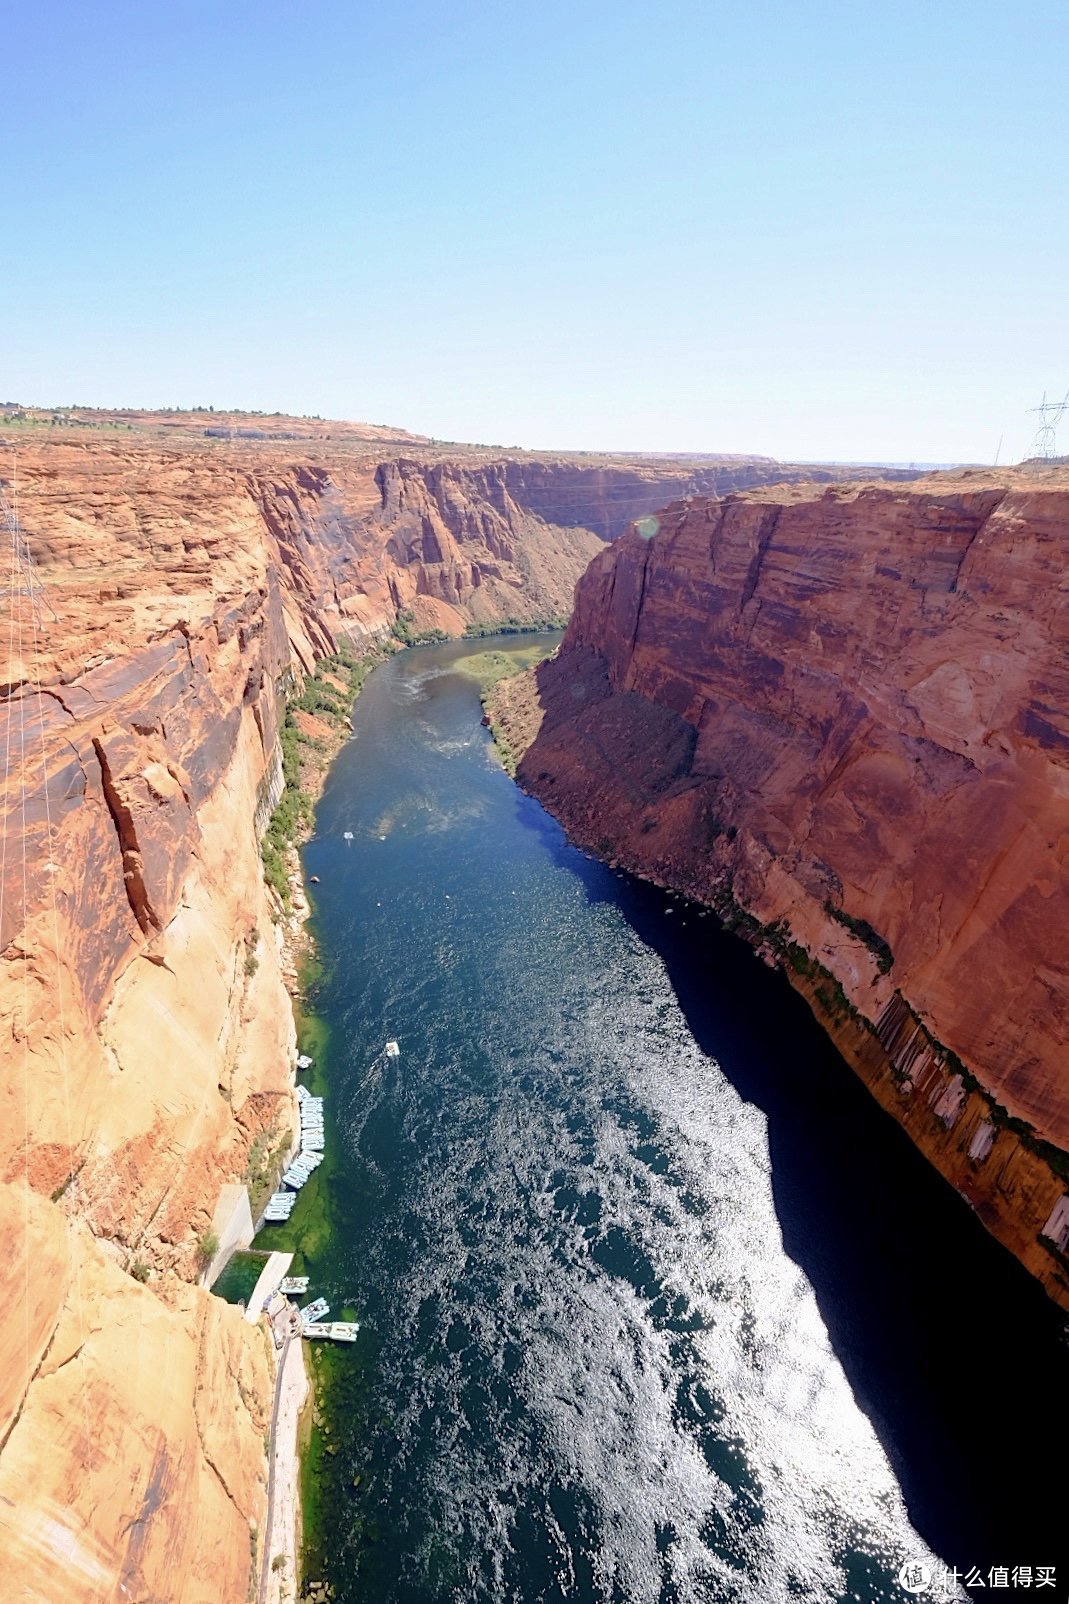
x: 280, y: 1528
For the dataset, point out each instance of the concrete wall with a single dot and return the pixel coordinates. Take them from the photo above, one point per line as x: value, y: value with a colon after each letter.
x: 232, y: 1224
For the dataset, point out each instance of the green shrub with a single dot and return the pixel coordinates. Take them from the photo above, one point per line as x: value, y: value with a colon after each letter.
x: 517, y: 626
x: 207, y: 1248
x: 402, y: 629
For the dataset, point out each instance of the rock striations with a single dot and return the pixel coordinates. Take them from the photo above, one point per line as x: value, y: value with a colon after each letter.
x: 183, y: 579
x: 840, y: 718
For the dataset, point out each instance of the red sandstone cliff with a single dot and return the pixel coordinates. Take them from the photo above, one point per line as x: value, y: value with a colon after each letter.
x: 845, y: 715
x: 141, y: 1058
x: 184, y: 582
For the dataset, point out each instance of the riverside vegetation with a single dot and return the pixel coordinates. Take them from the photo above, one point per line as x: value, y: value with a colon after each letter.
x: 307, y: 745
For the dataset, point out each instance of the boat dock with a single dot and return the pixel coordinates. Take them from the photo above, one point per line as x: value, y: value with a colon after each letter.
x: 308, y: 1157
x: 333, y: 1331
x: 274, y: 1287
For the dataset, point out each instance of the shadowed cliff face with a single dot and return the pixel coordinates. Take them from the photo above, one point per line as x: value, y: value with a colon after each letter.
x: 844, y: 714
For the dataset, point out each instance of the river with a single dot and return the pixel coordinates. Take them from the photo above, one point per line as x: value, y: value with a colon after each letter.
x: 656, y: 1304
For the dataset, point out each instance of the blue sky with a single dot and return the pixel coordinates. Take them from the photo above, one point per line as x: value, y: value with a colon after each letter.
x: 812, y: 230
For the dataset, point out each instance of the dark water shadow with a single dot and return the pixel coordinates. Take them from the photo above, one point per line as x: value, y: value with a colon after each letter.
x: 950, y: 1347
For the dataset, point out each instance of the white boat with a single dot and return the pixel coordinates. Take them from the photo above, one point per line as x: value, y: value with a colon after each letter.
x: 303, y: 1094
x: 316, y: 1309
x: 293, y: 1283
x: 295, y: 1179
x: 304, y: 1062
x: 334, y: 1330
x: 392, y: 1050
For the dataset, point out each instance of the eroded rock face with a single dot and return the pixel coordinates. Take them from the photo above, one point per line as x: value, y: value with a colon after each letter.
x: 846, y: 714
x: 132, y: 1425
x: 178, y: 588
x: 141, y: 1060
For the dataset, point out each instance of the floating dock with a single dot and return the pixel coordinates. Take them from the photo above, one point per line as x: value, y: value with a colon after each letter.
x: 332, y: 1331
x: 308, y: 1157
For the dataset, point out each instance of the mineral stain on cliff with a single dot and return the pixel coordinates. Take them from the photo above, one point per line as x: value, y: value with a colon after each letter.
x: 834, y: 717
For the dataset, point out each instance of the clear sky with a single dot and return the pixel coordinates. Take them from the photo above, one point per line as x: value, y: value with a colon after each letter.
x: 807, y: 228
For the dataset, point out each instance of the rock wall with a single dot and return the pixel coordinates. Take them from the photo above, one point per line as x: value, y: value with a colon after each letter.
x: 840, y: 718
x: 169, y: 592
x: 143, y: 1056
x: 132, y: 1422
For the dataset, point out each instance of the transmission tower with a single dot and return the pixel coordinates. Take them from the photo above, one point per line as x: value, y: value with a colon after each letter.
x: 1050, y: 415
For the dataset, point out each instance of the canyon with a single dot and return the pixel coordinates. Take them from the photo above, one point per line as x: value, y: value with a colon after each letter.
x: 175, y: 579
x: 837, y: 716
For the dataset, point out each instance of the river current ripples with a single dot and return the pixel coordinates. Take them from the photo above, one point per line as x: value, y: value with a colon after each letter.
x: 590, y: 1369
